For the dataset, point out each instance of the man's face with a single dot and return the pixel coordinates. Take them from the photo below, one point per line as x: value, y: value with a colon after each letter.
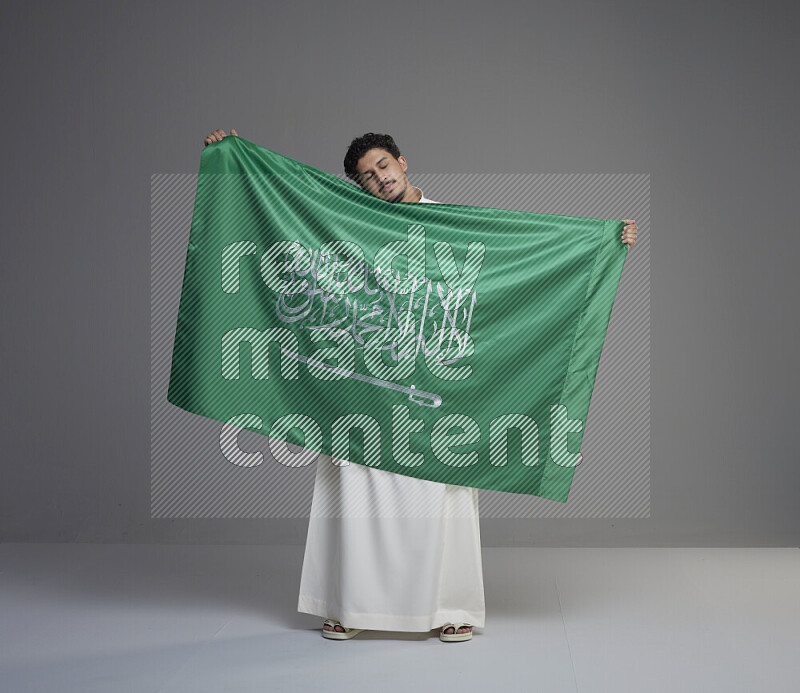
x: 381, y: 175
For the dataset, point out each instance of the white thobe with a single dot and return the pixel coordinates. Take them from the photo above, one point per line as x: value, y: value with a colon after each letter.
x: 391, y: 552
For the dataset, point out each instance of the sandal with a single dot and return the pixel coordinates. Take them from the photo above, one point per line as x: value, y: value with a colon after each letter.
x: 335, y: 634
x: 455, y: 636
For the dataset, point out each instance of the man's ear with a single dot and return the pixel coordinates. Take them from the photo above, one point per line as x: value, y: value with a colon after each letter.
x: 403, y: 162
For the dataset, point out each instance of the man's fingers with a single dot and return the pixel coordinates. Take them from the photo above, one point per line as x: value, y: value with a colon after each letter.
x: 629, y: 232
x: 217, y: 135
x: 213, y: 136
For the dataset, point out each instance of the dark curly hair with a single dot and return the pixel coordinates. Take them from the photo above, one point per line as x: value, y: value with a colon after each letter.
x: 361, y: 145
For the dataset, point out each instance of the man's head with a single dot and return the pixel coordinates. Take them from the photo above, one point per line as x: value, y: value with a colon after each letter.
x: 375, y: 163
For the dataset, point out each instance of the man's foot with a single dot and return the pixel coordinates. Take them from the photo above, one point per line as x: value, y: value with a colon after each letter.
x: 455, y: 632
x: 334, y: 630
x: 462, y: 629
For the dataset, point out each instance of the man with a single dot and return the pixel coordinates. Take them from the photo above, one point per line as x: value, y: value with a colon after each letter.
x: 412, y: 560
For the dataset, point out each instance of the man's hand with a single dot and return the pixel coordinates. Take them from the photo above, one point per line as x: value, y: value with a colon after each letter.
x: 629, y: 232
x: 217, y: 136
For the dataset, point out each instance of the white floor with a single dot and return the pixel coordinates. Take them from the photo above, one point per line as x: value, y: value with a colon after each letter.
x: 107, y: 618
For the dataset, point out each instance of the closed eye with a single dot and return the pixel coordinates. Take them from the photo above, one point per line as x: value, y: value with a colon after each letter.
x: 368, y: 175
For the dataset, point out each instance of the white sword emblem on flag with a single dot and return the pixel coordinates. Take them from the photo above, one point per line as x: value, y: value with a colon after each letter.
x: 436, y: 400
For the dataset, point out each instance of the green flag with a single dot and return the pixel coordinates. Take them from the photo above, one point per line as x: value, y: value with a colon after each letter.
x: 446, y: 342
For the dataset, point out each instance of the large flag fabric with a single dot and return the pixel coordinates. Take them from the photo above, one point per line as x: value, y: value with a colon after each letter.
x: 446, y: 342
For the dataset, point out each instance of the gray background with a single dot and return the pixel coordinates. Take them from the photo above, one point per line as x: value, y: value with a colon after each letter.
x: 697, y: 95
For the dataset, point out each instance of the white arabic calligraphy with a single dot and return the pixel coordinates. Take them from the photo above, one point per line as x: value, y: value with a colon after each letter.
x: 316, y: 309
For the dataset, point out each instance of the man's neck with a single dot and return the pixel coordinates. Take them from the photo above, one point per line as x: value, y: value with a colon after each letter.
x: 416, y: 194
